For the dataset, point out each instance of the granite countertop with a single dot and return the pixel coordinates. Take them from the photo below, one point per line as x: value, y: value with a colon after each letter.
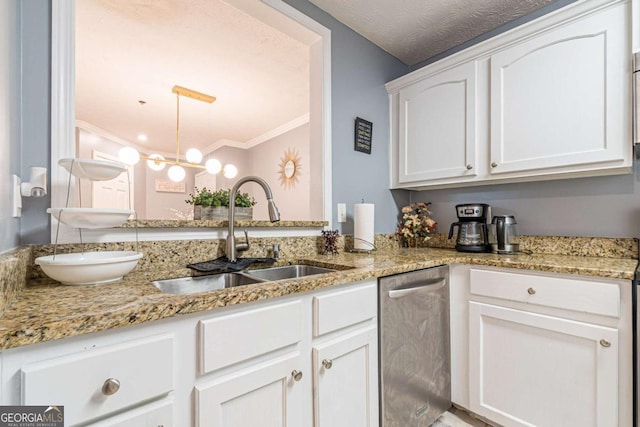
x: 46, y: 311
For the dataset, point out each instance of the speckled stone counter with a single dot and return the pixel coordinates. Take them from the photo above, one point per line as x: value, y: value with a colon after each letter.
x: 217, y: 223
x: 46, y: 311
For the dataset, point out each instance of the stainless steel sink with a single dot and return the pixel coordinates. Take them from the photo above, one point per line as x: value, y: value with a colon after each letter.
x: 287, y: 272
x: 192, y: 285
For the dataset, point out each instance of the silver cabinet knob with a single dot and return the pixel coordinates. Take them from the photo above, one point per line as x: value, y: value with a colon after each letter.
x: 469, y: 167
x: 296, y: 375
x: 494, y: 165
x: 327, y: 363
x: 110, y: 386
x: 531, y: 291
x: 605, y: 343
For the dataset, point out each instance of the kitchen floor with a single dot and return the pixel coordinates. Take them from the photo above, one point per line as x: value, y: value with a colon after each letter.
x: 455, y: 417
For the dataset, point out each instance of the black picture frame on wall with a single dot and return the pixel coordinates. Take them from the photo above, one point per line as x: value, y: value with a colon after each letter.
x: 362, y: 135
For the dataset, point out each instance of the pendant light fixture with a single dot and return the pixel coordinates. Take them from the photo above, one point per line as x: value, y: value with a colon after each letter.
x: 193, y: 156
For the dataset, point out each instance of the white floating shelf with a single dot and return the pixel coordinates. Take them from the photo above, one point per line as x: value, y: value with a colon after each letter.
x: 95, y: 170
x: 91, y: 217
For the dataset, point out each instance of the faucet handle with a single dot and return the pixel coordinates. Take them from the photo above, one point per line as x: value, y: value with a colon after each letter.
x: 241, y: 247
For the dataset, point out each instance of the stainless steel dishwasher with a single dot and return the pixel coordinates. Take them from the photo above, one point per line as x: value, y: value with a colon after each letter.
x: 415, y: 366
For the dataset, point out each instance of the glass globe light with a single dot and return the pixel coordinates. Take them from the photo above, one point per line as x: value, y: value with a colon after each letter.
x: 156, y: 166
x: 230, y: 171
x: 176, y: 173
x: 213, y: 166
x: 129, y: 155
x: 193, y: 155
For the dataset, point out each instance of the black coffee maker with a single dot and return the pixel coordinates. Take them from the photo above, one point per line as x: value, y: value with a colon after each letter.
x: 473, y: 233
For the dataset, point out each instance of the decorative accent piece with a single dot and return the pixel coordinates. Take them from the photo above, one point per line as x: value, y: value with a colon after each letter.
x: 415, y: 225
x: 330, y: 238
x: 165, y: 186
x: 363, y: 135
x: 289, y: 168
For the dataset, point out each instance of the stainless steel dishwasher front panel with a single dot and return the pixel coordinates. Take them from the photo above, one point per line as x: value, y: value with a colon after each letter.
x: 415, y: 365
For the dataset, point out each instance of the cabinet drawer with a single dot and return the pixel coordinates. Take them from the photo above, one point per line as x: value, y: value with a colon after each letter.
x: 571, y: 294
x: 336, y: 310
x: 144, y: 369
x: 230, y: 339
x: 158, y: 414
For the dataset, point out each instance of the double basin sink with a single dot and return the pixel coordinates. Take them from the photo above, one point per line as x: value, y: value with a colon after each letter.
x: 191, y: 285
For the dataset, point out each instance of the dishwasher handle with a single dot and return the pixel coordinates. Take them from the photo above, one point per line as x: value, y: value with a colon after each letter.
x: 428, y: 285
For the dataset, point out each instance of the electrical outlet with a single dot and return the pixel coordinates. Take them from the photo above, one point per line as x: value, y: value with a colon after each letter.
x: 342, y: 212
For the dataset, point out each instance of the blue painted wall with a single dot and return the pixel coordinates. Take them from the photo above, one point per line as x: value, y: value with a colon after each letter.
x: 9, y: 118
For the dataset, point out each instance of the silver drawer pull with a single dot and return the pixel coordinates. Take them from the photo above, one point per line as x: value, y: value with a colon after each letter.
x: 531, y: 291
x: 110, y: 386
x: 605, y: 343
x: 296, y: 375
x: 327, y: 363
x: 494, y: 165
x: 469, y: 167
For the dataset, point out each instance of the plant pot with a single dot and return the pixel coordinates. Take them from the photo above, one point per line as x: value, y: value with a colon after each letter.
x: 222, y: 212
x: 197, y: 211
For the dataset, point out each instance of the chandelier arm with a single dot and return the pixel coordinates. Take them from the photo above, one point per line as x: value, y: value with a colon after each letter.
x: 178, y: 127
x: 173, y: 162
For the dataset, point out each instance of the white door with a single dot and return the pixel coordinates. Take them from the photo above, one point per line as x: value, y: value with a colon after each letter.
x: 115, y: 193
x: 437, y: 126
x: 268, y: 395
x: 562, y: 98
x: 529, y: 369
x: 345, y: 381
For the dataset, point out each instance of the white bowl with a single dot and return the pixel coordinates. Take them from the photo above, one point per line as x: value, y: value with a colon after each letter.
x: 89, y: 267
x: 91, y: 217
x: 95, y: 170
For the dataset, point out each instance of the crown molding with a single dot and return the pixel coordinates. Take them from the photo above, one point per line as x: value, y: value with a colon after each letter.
x: 267, y: 136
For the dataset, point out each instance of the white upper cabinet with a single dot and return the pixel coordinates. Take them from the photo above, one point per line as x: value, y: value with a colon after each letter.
x: 438, y: 126
x: 550, y: 99
x: 559, y: 99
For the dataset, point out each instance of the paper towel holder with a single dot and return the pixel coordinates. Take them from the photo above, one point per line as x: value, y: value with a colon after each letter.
x: 366, y: 251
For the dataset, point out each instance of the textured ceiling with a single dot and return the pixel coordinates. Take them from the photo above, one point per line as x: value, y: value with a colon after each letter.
x: 130, y: 50
x: 415, y: 30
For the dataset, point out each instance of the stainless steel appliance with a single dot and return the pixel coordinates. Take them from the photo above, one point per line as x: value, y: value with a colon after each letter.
x: 415, y: 367
x: 503, y: 235
x: 472, y: 228
x: 636, y: 103
x: 636, y: 347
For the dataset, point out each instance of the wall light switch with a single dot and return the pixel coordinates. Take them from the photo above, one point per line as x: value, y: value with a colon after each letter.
x: 342, y: 212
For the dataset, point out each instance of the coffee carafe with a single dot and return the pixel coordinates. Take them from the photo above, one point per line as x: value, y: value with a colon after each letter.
x: 472, y: 228
x: 504, y: 235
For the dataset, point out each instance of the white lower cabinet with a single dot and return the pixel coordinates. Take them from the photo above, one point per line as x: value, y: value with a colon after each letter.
x: 533, y: 370
x: 345, y: 383
x: 269, y: 394
x: 541, y: 349
x: 254, y: 364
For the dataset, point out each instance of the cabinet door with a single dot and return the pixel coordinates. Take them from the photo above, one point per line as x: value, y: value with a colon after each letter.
x: 529, y: 369
x: 267, y: 395
x: 437, y: 126
x: 561, y: 99
x: 345, y: 381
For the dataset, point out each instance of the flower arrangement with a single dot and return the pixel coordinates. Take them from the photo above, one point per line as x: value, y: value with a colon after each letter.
x: 416, y: 223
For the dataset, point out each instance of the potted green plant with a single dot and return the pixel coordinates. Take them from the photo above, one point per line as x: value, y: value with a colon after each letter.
x: 215, y: 205
x: 199, y: 199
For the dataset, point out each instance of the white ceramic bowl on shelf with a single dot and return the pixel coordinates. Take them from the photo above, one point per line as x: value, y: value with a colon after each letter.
x: 89, y: 268
x: 91, y: 217
x: 95, y: 170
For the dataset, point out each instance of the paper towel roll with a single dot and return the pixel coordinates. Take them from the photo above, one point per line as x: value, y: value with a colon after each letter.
x: 363, y: 226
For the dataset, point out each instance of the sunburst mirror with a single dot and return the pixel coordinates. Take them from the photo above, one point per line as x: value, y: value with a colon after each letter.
x: 289, y: 168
